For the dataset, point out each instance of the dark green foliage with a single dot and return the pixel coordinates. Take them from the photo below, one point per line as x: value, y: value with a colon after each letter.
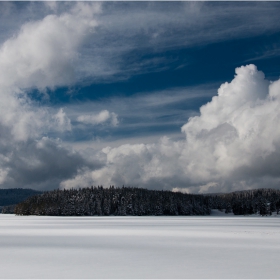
x: 113, y: 201
x: 260, y: 201
x: 139, y: 202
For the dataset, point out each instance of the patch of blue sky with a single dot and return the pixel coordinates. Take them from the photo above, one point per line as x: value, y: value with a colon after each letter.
x: 158, y: 99
x: 125, y: 72
x: 184, y: 67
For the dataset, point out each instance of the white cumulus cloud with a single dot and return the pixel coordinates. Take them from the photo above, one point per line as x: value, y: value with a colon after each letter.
x: 41, y: 55
x: 233, y: 144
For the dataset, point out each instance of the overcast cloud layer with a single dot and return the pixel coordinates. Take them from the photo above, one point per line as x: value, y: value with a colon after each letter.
x: 232, y: 143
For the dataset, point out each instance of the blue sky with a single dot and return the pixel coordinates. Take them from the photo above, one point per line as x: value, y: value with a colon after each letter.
x: 113, y: 93
x: 176, y: 65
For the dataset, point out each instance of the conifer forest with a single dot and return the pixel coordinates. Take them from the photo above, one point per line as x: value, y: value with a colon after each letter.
x: 142, y: 202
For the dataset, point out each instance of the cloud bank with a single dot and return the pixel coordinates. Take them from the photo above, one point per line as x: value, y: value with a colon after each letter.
x: 233, y: 144
x: 42, y: 55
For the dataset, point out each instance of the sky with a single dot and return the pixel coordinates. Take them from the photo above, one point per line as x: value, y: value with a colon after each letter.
x: 180, y: 96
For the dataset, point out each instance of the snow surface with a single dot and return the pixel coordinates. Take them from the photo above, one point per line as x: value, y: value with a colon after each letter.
x: 140, y: 247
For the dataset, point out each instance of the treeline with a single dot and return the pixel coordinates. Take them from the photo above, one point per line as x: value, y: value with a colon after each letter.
x: 140, y: 202
x: 113, y: 201
x: 260, y: 201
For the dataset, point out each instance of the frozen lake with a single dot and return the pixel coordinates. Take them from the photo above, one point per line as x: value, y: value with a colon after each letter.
x: 139, y: 247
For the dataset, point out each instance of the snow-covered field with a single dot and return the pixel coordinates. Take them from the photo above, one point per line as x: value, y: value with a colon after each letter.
x: 139, y: 247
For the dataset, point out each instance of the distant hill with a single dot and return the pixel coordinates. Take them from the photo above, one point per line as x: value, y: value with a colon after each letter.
x: 15, y: 196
